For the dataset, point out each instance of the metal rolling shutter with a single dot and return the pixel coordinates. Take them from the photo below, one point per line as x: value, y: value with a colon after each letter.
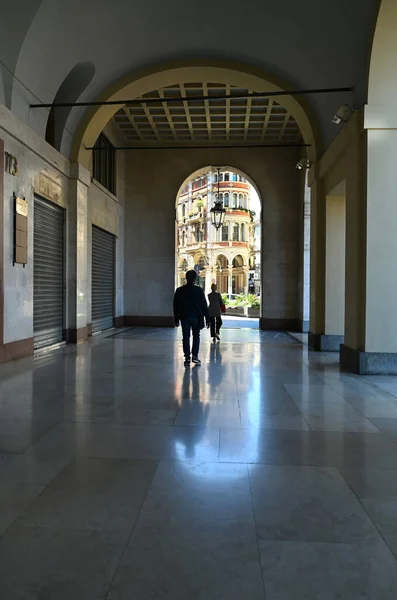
x: 103, y: 261
x: 48, y: 274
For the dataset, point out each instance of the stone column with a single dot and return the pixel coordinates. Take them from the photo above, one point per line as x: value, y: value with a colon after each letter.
x: 317, y: 265
x: 229, y: 281
x: 335, y: 271
x: 245, y: 279
x: 79, y: 285
x: 328, y: 269
x: 370, y: 345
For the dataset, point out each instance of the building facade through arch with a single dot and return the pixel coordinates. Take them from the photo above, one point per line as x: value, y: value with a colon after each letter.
x: 227, y: 256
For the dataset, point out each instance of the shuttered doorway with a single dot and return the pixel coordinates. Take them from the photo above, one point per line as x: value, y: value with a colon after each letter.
x: 48, y: 274
x: 103, y: 279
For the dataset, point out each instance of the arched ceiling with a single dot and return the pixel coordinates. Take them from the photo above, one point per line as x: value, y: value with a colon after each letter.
x: 311, y: 44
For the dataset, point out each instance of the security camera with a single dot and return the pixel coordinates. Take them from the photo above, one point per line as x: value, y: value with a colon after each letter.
x: 342, y: 115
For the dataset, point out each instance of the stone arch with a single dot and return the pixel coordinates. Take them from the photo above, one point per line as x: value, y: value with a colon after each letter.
x: 220, y: 71
x: 70, y: 90
x: 222, y: 260
x: 382, y: 80
x: 183, y: 262
x: 237, y: 261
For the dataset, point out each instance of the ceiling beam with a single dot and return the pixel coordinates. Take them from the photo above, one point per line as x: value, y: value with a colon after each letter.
x: 132, y: 121
x: 187, y: 111
x: 267, y: 117
x: 284, y: 125
x: 207, y: 111
x: 168, y: 114
x: 228, y: 87
x: 247, y: 117
x: 151, y: 121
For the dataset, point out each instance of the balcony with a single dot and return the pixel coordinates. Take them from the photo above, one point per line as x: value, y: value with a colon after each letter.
x: 199, y: 216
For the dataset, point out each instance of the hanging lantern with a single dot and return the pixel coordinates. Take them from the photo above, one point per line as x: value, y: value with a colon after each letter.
x: 218, y: 211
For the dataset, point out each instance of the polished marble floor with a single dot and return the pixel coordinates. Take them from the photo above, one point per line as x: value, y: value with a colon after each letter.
x: 264, y: 473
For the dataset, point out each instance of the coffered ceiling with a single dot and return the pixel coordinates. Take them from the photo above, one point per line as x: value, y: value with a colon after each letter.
x: 194, y: 120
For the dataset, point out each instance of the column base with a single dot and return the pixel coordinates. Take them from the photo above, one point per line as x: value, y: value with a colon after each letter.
x: 325, y: 343
x: 119, y: 321
x: 75, y: 336
x: 293, y: 325
x: 16, y: 350
x: 368, y: 363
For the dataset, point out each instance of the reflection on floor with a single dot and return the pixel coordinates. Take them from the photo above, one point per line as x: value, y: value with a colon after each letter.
x: 264, y: 473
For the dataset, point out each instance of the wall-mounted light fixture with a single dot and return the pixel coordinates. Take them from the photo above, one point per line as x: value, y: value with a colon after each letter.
x: 303, y: 163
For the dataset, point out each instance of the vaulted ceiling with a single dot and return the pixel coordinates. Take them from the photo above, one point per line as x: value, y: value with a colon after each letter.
x: 307, y: 44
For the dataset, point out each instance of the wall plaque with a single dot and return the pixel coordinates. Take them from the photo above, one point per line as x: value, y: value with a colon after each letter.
x: 20, y: 231
x: 50, y: 189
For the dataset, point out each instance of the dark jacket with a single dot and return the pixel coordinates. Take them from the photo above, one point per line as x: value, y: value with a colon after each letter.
x: 189, y: 302
x: 215, y: 300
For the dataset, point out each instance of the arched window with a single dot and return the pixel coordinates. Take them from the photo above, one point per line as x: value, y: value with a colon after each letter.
x: 225, y: 233
x: 184, y: 239
x: 220, y: 176
x: 236, y: 231
x: 234, y: 200
x: 226, y: 200
x: 234, y: 177
x: 242, y: 232
x: 215, y: 177
x: 240, y: 200
x: 227, y: 176
x: 201, y: 263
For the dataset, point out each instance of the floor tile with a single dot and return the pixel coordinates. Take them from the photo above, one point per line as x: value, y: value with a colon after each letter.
x: 317, y: 448
x: 253, y: 420
x: 307, y: 504
x: 57, y: 564
x: 336, y: 417
x: 14, y: 498
x: 371, y: 483
x: 16, y: 435
x: 387, y: 426
x: 24, y: 468
x: 128, y: 413
x: 310, y: 571
x: 383, y: 513
x: 195, y: 538
x: 160, y: 442
x: 211, y: 413
x: 93, y: 493
x: 270, y: 404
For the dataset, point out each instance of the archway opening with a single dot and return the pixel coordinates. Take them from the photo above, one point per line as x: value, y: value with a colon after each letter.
x: 230, y: 256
